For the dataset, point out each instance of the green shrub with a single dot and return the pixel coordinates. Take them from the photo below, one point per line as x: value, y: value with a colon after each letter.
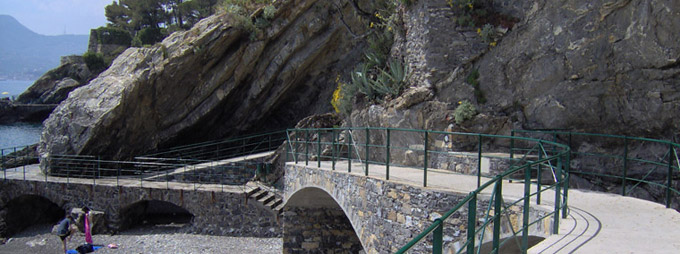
x: 377, y: 83
x: 465, y: 111
x: 113, y: 35
x: 148, y: 36
x: 269, y: 12
x: 95, y: 62
x: 488, y: 33
x: 473, y: 80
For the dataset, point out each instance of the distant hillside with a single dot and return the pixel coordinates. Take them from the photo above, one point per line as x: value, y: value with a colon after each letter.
x: 25, y: 54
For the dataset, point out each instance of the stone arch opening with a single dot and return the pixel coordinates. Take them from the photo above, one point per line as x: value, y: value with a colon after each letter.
x: 314, y: 222
x: 511, y: 246
x: 153, y: 212
x: 28, y: 210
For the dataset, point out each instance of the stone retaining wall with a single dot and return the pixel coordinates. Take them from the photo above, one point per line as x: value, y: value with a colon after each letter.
x: 215, y: 213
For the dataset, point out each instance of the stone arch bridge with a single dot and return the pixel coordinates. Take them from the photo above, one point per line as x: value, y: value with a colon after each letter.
x: 329, y: 206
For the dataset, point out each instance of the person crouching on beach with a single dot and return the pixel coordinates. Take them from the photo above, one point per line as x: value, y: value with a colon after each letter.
x: 65, y: 230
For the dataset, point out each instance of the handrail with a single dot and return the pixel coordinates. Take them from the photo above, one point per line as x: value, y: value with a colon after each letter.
x: 193, y: 167
x: 384, y: 149
x: 622, y: 162
x: 232, y: 147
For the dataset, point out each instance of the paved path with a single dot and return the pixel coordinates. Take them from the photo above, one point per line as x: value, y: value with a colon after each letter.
x: 597, y: 222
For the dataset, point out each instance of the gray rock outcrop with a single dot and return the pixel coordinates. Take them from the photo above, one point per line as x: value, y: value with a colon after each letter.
x: 215, y: 80
x: 590, y: 66
x: 53, y: 87
x: 38, y: 101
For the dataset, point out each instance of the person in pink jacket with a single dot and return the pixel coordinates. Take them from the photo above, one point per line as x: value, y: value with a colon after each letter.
x: 87, y: 225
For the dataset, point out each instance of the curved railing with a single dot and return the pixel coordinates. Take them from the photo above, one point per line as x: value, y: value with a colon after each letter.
x: 378, y: 146
x: 626, y: 165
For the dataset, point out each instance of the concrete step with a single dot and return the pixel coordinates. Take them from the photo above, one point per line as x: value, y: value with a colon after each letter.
x: 279, y: 208
x: 275, y: 203
x: 260, y: 194
x: 252, y: 191
x: 266, y: 198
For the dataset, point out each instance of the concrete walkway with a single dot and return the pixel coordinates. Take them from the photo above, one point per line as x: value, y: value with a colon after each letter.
x: 597, y: 222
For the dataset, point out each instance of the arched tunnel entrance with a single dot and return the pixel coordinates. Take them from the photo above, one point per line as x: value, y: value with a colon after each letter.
x: 313, y: 222
x: 153, y: 212
x: 28, y: 210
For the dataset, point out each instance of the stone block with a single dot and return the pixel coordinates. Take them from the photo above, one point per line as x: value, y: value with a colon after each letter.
x: 310, y: 245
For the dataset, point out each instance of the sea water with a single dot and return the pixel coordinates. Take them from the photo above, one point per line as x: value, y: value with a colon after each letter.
x: 18, y: 134
x: 13, y: 88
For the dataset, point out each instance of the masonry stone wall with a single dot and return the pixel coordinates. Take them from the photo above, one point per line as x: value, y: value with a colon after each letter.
x: 386, y: 215
x: 215, y: 213
x: 319, y: 230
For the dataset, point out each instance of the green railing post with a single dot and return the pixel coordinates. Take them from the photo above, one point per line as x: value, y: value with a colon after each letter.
x: 306, y: 147
x: 95, y: 172
x: 295, y: 148
x: 558, y: 175
x: 318, y: 148
x: 498, y: 202
x: 437, y: 237
x: 625, y: 165
x: 565, y: 186
x: 512, y: 144
x: 117, y: 175
x: 425, y: 162
x: 387, y: 156
x: 472, y: 223
x: 670, y: 175
x: 49, y: 160
x: 286, y: 145
x: 333, y: 149
x: 349, y: 150
x: 479, y: 160
x: 4, y: 168
x: 538, y: 173
x: 368, y: 140
x: 525, y: 212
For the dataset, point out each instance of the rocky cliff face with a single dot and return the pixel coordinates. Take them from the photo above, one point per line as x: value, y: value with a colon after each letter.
x: 591, y: 66
x: 213, y: 81
x: 53, y: 87
x: 606, y: 66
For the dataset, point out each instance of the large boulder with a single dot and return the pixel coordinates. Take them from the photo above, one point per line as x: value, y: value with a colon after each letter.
x: 215, y: 80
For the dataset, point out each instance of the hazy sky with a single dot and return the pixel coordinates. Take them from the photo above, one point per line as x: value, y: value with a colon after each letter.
x: 56, y: 17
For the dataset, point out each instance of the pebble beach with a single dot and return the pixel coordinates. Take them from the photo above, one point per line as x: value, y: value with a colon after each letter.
x: 152, y: 239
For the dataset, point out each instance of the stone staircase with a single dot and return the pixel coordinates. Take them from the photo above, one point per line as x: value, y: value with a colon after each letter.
x: 267, y: 197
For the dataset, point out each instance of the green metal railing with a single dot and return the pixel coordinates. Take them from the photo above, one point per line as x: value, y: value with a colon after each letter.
x: 377, y: 146
x: 196, y: 164
x: 223, y: 149
x: 628, y: 162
